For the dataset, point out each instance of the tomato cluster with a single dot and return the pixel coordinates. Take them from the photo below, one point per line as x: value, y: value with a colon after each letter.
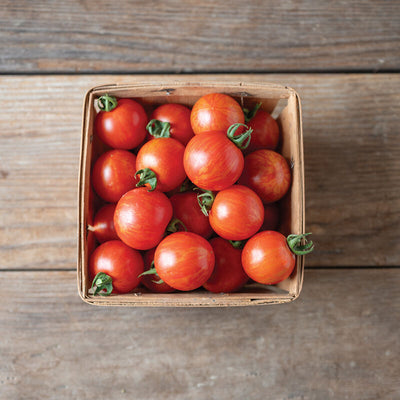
x: 188, y: 198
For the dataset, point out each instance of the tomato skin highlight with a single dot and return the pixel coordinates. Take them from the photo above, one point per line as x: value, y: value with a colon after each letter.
x: 228, y: 275
x: 187, y: 209
x: 212, y: 161
x: 265, y: 133
x: 164, y: 156
x: 237, y: 213
x: 103, y: 225
x: 119, y: 261
x: 113, y: 174
x: 215, y: 112
x: 124, y: 127
x: 267, y: 259
x: 184, y: 260
x: 141, y: 217
x: 179, y: 117
x: 267, y: 173
x: 148, y: 280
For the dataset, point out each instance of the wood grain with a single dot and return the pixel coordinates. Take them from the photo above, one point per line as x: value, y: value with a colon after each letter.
x: 339, y: 340
x: 352, y: 158
x: 192, y: 36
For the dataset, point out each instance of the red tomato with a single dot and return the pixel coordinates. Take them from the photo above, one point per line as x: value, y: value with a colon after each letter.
x: 212, y: 161
x: 150, y: 281
x: 267, y: 173
x: 140, y: 218
x: 113, y: 174
x: 267, y: 259
x: 215, y: 112
x: 124, y: 127
x: 228, y: 274
x: 187, y: 210
x: 265, y: 133
x: 271, y: 217
x: 103, y: 225
x: 237, y: 213
x: 119, y: 262
x: 164, y: 157
x: 176, y: 119
x: 184, y: 260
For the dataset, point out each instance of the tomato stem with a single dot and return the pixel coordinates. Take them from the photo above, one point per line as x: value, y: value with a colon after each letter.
x: 159, y: 129
x: 237, y: 244
x: 107, y: 102
x: 147, y: 176
x: 152, y: 271
x: 243, y: 139
x: 186, y: 186
x: 173, y: 226
x: 102, y: 285
x: 205, y: 200
x: 294, y: 243
x: 250, y: 114
x: 159, y: 282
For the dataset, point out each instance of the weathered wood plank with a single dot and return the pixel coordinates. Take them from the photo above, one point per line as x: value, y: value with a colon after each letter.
x: 352, y: 158
x: 194, y: 36
x: 338, y: 340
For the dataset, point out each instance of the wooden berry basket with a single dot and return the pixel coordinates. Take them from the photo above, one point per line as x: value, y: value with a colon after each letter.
x: 284, y: 104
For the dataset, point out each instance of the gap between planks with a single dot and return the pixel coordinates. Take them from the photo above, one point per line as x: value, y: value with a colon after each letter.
x: 206, y: 72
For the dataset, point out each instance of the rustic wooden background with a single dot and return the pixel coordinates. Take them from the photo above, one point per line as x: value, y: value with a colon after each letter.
x: 339, y: 340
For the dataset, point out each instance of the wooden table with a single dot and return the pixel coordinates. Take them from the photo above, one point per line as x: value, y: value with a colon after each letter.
x: 340, y: 339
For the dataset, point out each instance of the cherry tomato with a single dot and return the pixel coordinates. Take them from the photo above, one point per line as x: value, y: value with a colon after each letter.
x: 123, y: 127
x: 265, y: 133
x: 267, y: 173
x: 103, y: 225
x: 120, y: 262
x: 164, y: 158
x: 237, y: 213
x: 175, y: 122
x: 228, y: 274
x: 271, y: 217
x: 150, y: 281
x: 215, y: 112
x: 212, y: 161
x: 187, y: 210
x: 267, y: 259
x: 113, y: 174
x: 140, y: 218
x: 184, y: 260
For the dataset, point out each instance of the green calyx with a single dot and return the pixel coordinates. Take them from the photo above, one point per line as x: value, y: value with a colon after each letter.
x: 237, y: 244
x: 205, y: 200
x: 186, y: 186
x: 173, y: 226
x: 250, y: 114
x: 107, y: 102
x: 147, y: 176
x: 152, y: 271
x: 102, y: 285
x: 295, y: 244
x: 159, y: 129
x: 241, y: 140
